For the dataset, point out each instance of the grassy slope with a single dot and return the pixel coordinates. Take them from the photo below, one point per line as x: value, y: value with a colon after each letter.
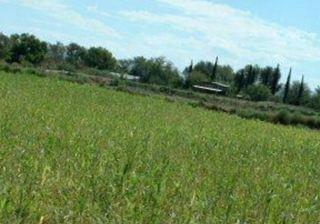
x: 72, y: 153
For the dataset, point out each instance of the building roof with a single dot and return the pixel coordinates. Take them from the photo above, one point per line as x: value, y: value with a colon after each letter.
x: 221, y: 84
x: 207, y: 88
x: 126, y: 76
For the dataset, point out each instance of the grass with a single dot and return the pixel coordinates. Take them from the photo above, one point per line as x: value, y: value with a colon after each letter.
x: 74, y: 153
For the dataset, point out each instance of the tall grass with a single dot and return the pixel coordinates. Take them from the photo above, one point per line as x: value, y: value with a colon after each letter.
x: 82, y: 154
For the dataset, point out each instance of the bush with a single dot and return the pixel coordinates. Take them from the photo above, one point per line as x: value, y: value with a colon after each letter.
x: 258, y: 93
x: 66, y: 67
x: 282, y: 117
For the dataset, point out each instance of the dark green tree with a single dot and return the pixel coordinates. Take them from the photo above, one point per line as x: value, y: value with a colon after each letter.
x: 266, y: 76
x: 295, y: 97
x: 275, y: 81
x: 28, y: 48
x: 156, y: 71
x: 315, y: 99
x: 250, y: 79
x: 190, y: 67
x: 287, y: 87
x: 251, y: 75
x: 100, y: 58
x: 215, y: 70
x: 76, y: 54
x: 4, y: 46
x: 258, y: 92
x: 204, y: 67
x: 240, y: 80
x: 301, y: 91
x: 225, y: 74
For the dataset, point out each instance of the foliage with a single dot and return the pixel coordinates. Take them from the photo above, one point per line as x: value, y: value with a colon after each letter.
x: 56, y: 53
x: 29, y: 51
x: 301, y: 91
x: 266, y: 76
x: 258, y: 92
x: 239, y: 80
x: 215, y: 70
x: 100, y: 58
x: 4, y: 46
x: 196, y: 78
x: 287, y: 87
x: 315, y: 99
x: 26, y: 47
x: 223, y: 73
x: 275, y: 85
x: 155, y: 71
x: 295, y: 97
x: 76, y: 55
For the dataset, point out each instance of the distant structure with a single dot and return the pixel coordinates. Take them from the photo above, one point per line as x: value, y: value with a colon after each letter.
x: 212, y: 87
x: 126, y: 76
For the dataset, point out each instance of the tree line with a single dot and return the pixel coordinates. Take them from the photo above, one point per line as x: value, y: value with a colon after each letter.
x: 252, y: 82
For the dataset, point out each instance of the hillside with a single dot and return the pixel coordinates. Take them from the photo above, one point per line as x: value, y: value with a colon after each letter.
x: 82, y: 154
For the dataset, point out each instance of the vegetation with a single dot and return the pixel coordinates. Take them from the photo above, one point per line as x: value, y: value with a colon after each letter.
x: 156, y: 71
x: 258, y: 92
x: 287, y: 88
x: 265, y: 111
x: 82, y: 154
x: 252, y: 82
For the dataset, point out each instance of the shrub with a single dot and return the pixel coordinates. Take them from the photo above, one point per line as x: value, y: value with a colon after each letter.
x: 258, y: 92
x: 282, y: 117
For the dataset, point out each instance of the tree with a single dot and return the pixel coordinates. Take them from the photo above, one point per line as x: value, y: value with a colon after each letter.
x: 156, y: 70
x: 258, y: 92
x: 4, y: 46
x: 266, y: 76
x: 240, y: 80
x: 295, y: 97
x: 56, y: 52
x: 315, y: 99
x: 287, y: 87
x: 224, y: 73
x: 276, y: 76
x: 251, y: 76
x: 190, y: 67
x: 196, y: 77
x: 204, y: 67
x: 215, y: 70
x: 76, y: 54
x: 301, y: 91
x: 138, y: 67
x: 100, y: 58
x: 28, y: 48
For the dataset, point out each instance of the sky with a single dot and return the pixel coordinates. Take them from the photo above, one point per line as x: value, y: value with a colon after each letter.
x: 240, y: 32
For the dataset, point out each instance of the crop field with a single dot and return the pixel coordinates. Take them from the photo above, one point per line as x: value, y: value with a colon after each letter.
x: 74, y: 153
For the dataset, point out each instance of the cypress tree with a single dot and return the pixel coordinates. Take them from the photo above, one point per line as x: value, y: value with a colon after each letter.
x: 301, y: 91
x: 190, y: 70
x: 251, y: 76
x: 240, y: 81
x: 287, y: 87
x: 215, y: 70
x: 266, y: 76
x: 275, y: 80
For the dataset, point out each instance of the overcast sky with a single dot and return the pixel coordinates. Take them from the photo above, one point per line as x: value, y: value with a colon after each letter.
x: 238, y: 31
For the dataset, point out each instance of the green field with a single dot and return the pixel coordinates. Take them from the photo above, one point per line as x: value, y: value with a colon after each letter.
x: 74, y: 153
